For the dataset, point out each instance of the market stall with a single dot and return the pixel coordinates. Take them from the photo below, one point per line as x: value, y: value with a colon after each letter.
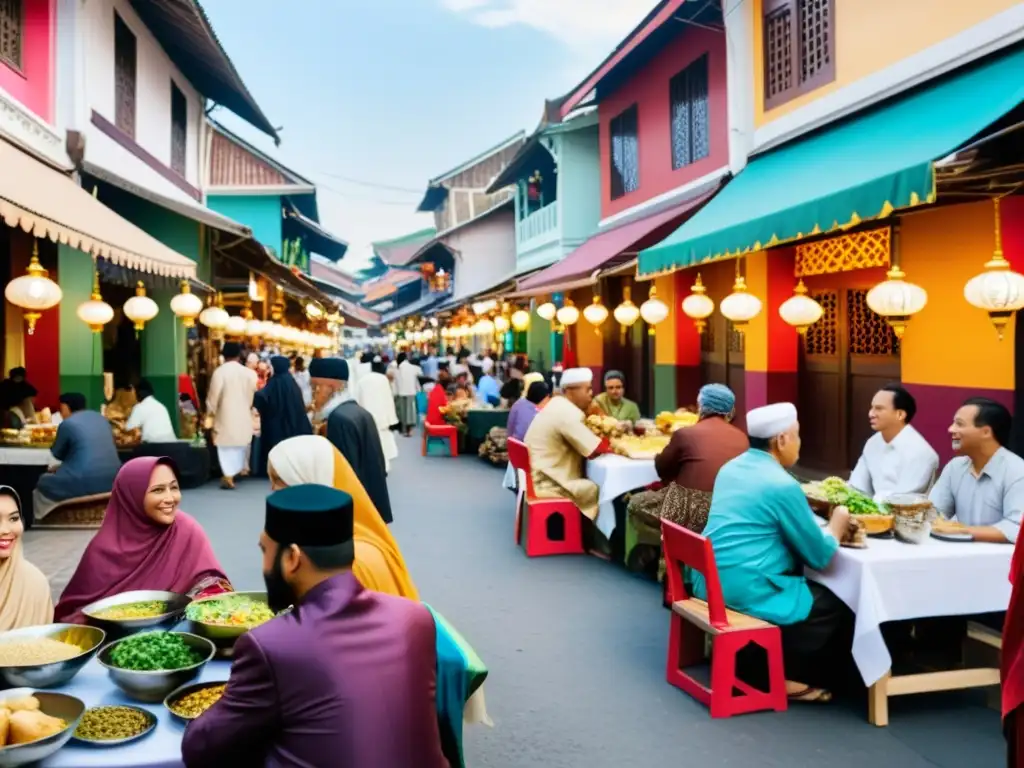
x: 480, y: 421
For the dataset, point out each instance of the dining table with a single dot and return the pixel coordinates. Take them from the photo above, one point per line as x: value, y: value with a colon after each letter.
x: 614, y: 476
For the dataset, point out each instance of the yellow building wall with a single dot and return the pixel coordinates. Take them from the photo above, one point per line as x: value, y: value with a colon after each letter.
x: 950, y: 343
x: 665, y: 332
x: 872, y: 35
x: 589, y: 341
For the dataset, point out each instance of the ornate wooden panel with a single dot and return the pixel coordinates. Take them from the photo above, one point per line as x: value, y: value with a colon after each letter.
x: 821, y: 383
x: 869, y: 333
x: 12, y: 22
x: 737, y: 342
x: 124, y: 76
x: 823, y: 337
x: 860, y: 250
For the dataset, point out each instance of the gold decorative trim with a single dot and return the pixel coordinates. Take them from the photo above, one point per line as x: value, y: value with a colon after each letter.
x: 860, y: 250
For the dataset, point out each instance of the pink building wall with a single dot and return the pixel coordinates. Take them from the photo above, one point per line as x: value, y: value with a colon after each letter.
x: 33, y: 84
x: 649, y: 90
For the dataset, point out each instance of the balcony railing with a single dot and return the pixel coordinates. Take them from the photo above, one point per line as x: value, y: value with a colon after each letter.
x: 538, y: 224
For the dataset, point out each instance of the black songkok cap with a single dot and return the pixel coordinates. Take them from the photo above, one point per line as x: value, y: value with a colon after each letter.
x: 231, y: 350
x: 310, y: 516
x: 328, y: 368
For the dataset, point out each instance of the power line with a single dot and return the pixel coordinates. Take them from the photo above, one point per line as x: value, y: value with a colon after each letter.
x: 372, y: 184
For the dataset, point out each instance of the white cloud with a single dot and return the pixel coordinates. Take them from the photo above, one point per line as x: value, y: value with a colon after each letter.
x: 584, y: 25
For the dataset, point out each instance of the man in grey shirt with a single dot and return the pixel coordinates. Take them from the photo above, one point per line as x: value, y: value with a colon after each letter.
x: 983, y: 487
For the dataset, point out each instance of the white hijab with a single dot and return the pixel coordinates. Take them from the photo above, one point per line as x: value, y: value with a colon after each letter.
x: 307, y: 459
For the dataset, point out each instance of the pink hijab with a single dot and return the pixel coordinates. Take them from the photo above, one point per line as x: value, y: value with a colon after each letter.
x: 131, y: 551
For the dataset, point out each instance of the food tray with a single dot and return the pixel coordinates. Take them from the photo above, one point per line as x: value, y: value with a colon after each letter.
x: 185, y: 690
x: 102, y: 743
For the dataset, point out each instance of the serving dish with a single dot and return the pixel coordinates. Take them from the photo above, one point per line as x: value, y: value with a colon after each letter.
x: 150, y: 718
x: 67, y: 708
x: 185, y: 690
x: 176, y: 604
x: 151, y: 686
x: 88, y: 639
x: 223, y: 636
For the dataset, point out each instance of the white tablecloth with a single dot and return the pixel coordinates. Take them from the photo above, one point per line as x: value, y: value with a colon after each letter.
x: 26, y: 457
x: 893, y: 581
x: 616, y: 475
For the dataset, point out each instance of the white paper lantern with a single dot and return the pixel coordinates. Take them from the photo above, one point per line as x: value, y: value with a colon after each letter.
x: 186, y: 305
x: 740, y: 306
x: 215, y: 318
x: 800, y: 310
x: 596, y: 312
x: 567, y: 314
x: 998, y: 290
x: 140, y: 309
x: 897, y: 300
x: 255, y: 328
x: 236, y: 326
x: 501, y: 324
x: 627, y: 313
x: 34, y: 291
x: 547, y: 311
x: 698, y: 306
x: 520, y: 319
x: 654, y: 310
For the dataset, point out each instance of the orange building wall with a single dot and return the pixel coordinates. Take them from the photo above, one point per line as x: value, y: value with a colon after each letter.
x: 665, y: 332
x: 872, y: 35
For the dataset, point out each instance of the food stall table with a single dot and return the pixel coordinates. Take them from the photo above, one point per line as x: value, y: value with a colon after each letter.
x: 893, y: 581
x: 480, y: 421
x: 21, y: 467
x: 161, y: 748
x: 616, y: 475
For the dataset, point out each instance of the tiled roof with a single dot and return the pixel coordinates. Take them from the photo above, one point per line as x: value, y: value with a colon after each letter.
x: 234, y: 162
x: 335, y: 277
x: 399, y: 251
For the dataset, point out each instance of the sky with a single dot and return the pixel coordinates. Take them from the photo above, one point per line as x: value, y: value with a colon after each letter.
x: 376, y: 97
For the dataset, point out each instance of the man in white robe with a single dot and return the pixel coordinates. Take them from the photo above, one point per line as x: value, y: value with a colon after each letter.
x: 372, y: 390
x: 229, y: 404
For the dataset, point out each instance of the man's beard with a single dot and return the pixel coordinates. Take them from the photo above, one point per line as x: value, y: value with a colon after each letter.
x: 280, y: 595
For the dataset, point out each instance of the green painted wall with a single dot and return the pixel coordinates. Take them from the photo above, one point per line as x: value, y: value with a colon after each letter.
x: 81, y: 351
x: 262, y: 214
x: 538, y: 341
x: 664, y: 388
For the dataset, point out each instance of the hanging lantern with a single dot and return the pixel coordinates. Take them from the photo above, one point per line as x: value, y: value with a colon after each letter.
x: 278, y: 307
x: 236, y: 326
x: 800, y: 310
x: 255, y: 328
x: 520, y: 319
x: 33, y: 291
x: 897, y: 300
x: 568, y: 314
x: 654, y: 310
x: 214, y: 317
x: 501, y: 324
x: 740, y: 306
x: 186, y: 305
x: 140, y: 309
x: 96, y: 312
x: 315, y: 310
x: 627, y: 312
x: 596, y: 313
x: 998, y: 290
x: 547, y: 311
x: 698, y: 306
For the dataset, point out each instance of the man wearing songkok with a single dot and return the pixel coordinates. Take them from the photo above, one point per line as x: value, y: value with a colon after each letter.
x: 559, y: 441
x: 613, y: 402
x: 229, y: 403
x: 896, y: 459
x: 351, y: 428
x: 764, y: 534
x: 346, y: 678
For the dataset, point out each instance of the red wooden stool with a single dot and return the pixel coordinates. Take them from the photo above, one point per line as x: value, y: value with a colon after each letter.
x: 730, y: 632
x: 443, y: 431
x: 539, y: 512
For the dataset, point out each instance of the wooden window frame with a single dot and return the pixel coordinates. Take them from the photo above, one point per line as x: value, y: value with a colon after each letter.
x: 121, y: 119
x: 179, y: 165
x: 685, y: 75
x: 614, y: 128
x: 18, y: 66
x: 824, y: 76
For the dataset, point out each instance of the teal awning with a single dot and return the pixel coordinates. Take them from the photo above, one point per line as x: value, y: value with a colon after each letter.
x: 861, y: 169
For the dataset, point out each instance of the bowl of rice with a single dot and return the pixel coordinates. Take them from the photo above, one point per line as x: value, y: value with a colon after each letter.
x: 47, y: 656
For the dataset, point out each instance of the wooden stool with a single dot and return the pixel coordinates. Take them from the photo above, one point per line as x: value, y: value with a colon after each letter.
x: 83, y: 513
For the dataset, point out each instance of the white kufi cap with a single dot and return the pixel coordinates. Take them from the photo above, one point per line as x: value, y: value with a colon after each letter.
x: 771, y: 420
x: 574, y: 376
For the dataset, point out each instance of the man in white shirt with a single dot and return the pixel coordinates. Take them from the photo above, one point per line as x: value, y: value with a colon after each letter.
x: 150, y: 415
x: 407, y: 384
x: 896, y: 459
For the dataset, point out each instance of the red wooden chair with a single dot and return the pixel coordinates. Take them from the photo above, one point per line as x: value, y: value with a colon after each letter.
x: 443, y: 432
x: 541, y: 512
x: 730, y: 632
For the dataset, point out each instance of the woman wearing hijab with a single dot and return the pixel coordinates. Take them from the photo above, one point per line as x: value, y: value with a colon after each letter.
x: 145, y: 542
x: 312, y: 459
x: 24, y: 592
x: 379, y: 566
x: 282, y: 410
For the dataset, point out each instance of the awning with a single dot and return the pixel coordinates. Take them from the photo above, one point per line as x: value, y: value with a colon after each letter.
x: 612, y: 247
x: 46, y: 203
x: 318, y: 239
x: 862, y: 169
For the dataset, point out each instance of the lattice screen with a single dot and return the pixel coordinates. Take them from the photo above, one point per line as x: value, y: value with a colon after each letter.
x: 815, y: 31
x: 11, y: 21
x: 737, y: 343
x: 822, y: 338
x: 869, y: 333
x: 860, y: 250
x: 778, y: 45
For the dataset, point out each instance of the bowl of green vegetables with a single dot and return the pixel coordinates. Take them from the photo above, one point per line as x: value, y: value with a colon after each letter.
x: 149, y: 665
x: 832, y: 492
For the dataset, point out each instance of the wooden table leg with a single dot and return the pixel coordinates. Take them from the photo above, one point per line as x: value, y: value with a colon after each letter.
x: 878, y: 702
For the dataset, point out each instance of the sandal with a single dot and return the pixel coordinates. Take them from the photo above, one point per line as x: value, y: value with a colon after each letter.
x: 810, y: 695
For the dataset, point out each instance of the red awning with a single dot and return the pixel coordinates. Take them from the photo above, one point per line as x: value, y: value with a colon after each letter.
x: 615, y: 246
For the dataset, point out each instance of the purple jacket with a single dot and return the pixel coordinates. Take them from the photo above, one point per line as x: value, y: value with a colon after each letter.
x: 520, y: 416
x: 348, y: 679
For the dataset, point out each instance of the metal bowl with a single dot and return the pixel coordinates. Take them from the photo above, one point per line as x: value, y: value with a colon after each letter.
x: 57, y: 673
x: 150, y: 725
x: 67, y: 708
x: 221, y: 635
x: 175, y: 605
x: 185, y: 690
x: 152, y: 687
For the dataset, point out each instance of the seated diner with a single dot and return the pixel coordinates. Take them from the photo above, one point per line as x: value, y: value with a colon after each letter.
x: 145, y: 542
x: 981, y: 490
x: 150, y: 416
x: 613, y: 402
x: 24, y: 591
x: 18, y: 401
x: 89, y: 462
x: 764, y: 534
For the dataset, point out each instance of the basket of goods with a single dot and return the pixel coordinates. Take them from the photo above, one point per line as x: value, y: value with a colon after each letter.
x: 669, y: 421
x: 640, y: 446
x: 825, y: 495
x: 35, y: 724
x: 604, y: 426
x: 913, y: 514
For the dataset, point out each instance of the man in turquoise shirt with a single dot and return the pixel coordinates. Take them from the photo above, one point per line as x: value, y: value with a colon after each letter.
x: 764, y: 533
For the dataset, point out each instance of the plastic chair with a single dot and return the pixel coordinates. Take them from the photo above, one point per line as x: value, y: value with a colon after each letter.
x: 441, y: 432
x: 541, y: 513
x: 730, y: 632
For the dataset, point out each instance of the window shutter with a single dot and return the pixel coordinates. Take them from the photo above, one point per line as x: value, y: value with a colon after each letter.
x: 12, y: 17
x: 124, y: 77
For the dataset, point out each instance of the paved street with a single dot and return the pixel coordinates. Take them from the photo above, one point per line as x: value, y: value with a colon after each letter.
x: 576, y: 647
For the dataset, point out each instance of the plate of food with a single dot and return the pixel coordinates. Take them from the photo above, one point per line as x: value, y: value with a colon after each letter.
x: 224, y: 618
x: 35, y: 724
x: 190, y: 701
x: 950, y: 530
x: 112, y: 726
x: 47, y: 656
x: 824, y: 495
x: 139, y: 609
x: 149, y: 665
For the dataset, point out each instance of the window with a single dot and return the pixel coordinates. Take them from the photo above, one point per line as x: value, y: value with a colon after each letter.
x: 124, y: 77
x: 12, y: 22
x: 688, y: 93
x: 625, y: 154
x: 799, y: 48
x: 179, y: 129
